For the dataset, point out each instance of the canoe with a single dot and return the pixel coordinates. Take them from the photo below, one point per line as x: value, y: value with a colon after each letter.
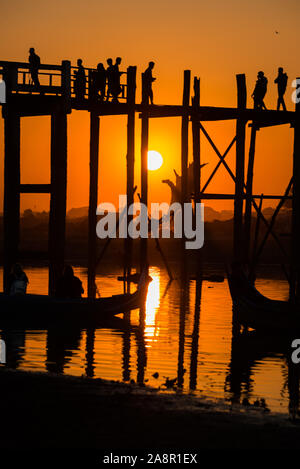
x: 38, y: 311
x: 254, y: 310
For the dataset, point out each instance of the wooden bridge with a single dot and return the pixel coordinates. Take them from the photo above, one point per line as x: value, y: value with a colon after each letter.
x: 56, y: 97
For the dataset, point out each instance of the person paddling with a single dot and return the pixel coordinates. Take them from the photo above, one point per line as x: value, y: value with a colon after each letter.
x: 69, y: 286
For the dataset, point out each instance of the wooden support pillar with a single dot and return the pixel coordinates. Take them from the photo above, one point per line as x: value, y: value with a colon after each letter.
x: 185, y: 135
x: 11, y: 192
x: 196, y: 141
x: 196, y: 157
x: 184, y: 157
x: 249, y: 188
x: 66, y: 84
x: 144, y: 171
x: 93, y: 201
x: 57, y: 219
x: 238, y: 235
x: 295, y: 260
x: 131, y: 89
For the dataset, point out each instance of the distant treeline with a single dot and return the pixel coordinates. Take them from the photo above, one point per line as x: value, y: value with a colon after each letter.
x: 217, y: 244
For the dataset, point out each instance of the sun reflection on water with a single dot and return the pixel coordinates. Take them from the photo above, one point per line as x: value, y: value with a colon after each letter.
x: 152, y: 304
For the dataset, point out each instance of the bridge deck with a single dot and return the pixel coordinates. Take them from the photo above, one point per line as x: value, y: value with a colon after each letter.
x: 43, y: 104
x: 57, y: 89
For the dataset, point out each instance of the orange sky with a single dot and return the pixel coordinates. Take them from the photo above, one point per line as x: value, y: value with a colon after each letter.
x: 214, y: 39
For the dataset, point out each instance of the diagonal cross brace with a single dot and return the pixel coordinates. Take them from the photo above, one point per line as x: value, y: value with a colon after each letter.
x: 273, y: 219
x: 222, y: 158
x: 222, y: 161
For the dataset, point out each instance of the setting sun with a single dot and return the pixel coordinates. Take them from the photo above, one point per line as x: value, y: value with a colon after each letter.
x: 155, y: 160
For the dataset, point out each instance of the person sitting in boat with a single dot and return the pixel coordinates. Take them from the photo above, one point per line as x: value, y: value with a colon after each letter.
x: 17, y: 281
x: 69, y: 286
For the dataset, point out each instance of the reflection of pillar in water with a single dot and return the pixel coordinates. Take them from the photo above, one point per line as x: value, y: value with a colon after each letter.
x: 184, y: 300
x: 245, y: 351
x: 126, y: 350
x: 141, y: 355
x: 293, y: 387
x: 60, y: 347
x: 195, y: 335
x: 90, y: 353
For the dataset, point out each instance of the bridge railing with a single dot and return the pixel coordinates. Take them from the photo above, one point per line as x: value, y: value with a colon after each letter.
x: 58, y: 80
x: 89, y: 93
x: 53, y: 79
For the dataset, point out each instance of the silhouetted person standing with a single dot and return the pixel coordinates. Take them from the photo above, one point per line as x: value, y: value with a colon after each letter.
x: 116, y: 74
x: 281, y: 81
x: 34, y: 63
x: 80, y: 81
x: 110, y: 78
x: 148, y: 80
x: 260, y: 91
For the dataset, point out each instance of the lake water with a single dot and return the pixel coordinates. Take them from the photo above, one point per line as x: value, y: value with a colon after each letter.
x: 170, y: 339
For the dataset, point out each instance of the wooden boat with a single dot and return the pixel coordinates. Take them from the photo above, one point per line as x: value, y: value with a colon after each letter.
x: 254, y: 310
x: 39, y: 311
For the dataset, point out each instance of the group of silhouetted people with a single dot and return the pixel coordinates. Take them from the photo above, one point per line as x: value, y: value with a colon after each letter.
x: 260, y: 89
x: 68, y: 285
x: 103, y: 83
x: 98, y: 80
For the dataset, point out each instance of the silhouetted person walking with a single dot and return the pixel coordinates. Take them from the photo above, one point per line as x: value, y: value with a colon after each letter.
x: 80, y: 81
x: 34, y: 63
x: 110, y: 78
x: 147, y: 88
x: 97, y: 82
x: 260, y: 91
x: 281, y: 81
x: 116, y: 75
x: 100, y: 81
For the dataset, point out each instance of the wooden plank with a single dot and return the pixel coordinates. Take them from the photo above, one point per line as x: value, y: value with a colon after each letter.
x: 11, y: 215
x: 238, y: 238
x: 215, y: 113
x: 35, y: 188
x: 5, y: 63
x: 208, y: 196
x: 42, y: 88
x: 57, y: 219
x: 93, y: 200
